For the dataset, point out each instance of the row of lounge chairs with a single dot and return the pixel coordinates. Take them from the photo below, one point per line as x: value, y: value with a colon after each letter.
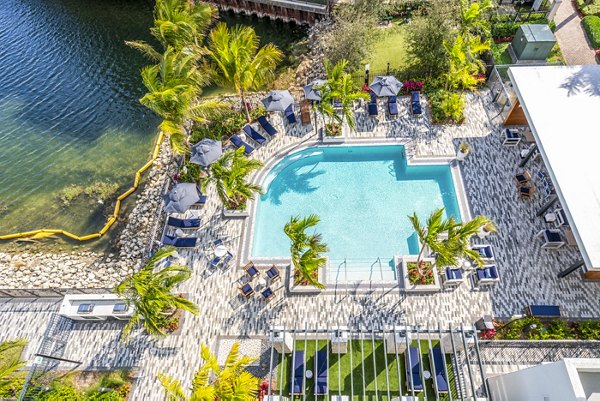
x: 437, y: 365
x: 320, y: 373
x: 485, y: 275
x: 257, y: 137
x: 392, y: 104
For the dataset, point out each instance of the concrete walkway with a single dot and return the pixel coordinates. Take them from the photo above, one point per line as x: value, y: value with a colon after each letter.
x: 571, y: 37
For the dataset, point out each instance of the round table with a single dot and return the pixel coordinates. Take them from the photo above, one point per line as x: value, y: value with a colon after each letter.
x: 179, y: 232
x: 309, y: 374
x: 426, y: 374
x: 550, y: 217
x: 221, y: 251
x: 467, y: 264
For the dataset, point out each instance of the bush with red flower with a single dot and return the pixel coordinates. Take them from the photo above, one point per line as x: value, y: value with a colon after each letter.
x: 412, y: 86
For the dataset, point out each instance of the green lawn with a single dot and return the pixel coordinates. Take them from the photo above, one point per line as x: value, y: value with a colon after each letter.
x: 346, y: 372
x: 389, y: 47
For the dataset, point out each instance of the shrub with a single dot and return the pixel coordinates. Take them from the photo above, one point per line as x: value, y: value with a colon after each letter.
x: 589, y: 7
x: 447, y: 107
x: 224, y: 126
x: 61, y: 393
x: 589, y: 330
x: 591, y: 24
x: 504, y: 29
x: 104, y: 396
x: 11, y: 387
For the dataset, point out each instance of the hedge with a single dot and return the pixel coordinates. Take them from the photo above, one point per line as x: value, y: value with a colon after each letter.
x: 591, y: 24
x: 505, y: 29
x: 587, y: 7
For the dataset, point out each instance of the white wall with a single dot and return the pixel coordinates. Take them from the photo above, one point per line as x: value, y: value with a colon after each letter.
x: 532, y: 384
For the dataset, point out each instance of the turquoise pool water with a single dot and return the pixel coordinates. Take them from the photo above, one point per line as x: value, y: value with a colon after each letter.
x: 363, y: 195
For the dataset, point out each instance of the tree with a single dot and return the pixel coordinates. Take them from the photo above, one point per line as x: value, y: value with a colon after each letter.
x: 10, y: 362
x: 464, y: 65
x: 230, y: 174
x: 430, y: 234
x: 211, y: 382
x: 151, y: 293
x: 306, y: 249
x: 237, y: 60
x: 474, y: 17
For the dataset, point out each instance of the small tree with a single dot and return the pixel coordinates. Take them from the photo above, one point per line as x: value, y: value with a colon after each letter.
x: 150, y: 292
x: 10, y: 362
x: 232, y: 382
x: 306, y: 249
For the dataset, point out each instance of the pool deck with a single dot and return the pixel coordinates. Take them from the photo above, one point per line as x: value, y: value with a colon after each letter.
x: 527, y: 272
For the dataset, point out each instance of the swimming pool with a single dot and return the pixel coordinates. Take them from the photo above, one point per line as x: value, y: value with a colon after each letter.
x: 363, y: 195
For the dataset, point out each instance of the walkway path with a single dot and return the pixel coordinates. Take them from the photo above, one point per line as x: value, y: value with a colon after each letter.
x: 571, y: 36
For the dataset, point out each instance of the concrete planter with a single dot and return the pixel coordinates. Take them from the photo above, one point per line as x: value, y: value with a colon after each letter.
x: 232, y: 214
x: 306, y: 289
x: 401, y: 264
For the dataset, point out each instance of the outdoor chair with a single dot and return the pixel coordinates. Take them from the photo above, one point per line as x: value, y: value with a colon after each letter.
x: 246, y: 290
x: 413, y: 369
x: 238, y: 143
x: 526, y: 191
x: 305, y: 112
x: 298, y: 372
x: 415, y: 103
x: 484, y: 250
x: 393, y: 105
x: 184, y: 224
x: 251, y: 271
x: 268, y: 294
x: 289, y: 114
x: 227, y: 259
x: 185, y: 242
x: 523, y: 178
x: 202, y: 201
x: 552, y: 238
x: 543, y: 311
x: 321, y: 370
x: 372, y: 105
x: 252, y: 133
x: 273, y: 273
x: 217, y: 242
x: 437, y: 370
x: 487, y: 275
x: 337, y: 104
x: 266, y: 125
x: 511, y: 137
x: 215, y: 261
x: 452, y: 277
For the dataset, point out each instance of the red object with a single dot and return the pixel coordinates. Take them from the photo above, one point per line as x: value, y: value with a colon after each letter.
x: 365, y: 88
x: 488, y: 334
x: 263, y: 390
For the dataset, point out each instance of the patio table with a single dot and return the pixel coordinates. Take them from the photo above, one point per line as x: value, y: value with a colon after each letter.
x: 221, y: 251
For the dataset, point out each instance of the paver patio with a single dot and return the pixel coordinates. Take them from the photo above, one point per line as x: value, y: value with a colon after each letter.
x: 571, y: 37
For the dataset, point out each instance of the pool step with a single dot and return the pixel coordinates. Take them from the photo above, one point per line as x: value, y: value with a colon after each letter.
x: 341, y: 271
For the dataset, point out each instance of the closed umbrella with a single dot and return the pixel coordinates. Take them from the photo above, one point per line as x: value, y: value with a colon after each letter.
x: 278, y: 100
x: 180, y: 198
x: 206, y: 151
x: 386, y: 85
x: 309, y: 90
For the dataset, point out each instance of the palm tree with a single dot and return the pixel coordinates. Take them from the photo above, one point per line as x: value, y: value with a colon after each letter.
x: 464, y: 63
x: 211, y: 382
x: 173, y: 86
x: 237, y: 60
x: 230, y: 174
x: 150, y: 293
x: 473, y: 17
x: 10, y: 361
x: 306, y: 249
x: 430, y: 234
x: 178, y: 24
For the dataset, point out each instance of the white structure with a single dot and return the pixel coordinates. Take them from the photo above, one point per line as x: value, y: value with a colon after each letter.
x: 94, y: 307
x: 339, y: 340
x: 282, y: 341
x: 561, y: 105
x: 566, y: 380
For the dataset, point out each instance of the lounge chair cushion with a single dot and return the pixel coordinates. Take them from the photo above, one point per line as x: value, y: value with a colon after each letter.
x: 486, y: 252
x: 289, y: 114
x: 183, y: 223
x: 267, y: 293
x: 321, y: 372
x: 413, y: 368
x: 393, y: 108
x: 247, y: 289
x: 453, y: 274
x: 372, y: 109
x: 252, y: 271
x: 266, y: 125
x: 186, y: 242
x: 415, y: 102
x: 298, y: 375
x: 544, y: 310
x: 273, y: 272
x: 238, y: 143
x: 439, y: 372
x: 552, y: 236
x: 489, y: 272
x: 252, y: 133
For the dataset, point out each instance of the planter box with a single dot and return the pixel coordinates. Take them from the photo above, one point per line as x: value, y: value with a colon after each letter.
x: 242, y: 214
x: 401, y: 265
x: 307, y: 289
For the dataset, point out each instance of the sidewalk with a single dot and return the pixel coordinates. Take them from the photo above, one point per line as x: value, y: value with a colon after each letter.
x: 571, y: 36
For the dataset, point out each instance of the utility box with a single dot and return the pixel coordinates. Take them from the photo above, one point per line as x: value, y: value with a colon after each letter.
x: 282, y: 341
x: 339, y: 340
x: 397, y: 340
x: 533, y: 42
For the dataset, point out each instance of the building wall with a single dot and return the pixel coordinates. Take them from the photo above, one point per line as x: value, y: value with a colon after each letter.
x: 533, y: 384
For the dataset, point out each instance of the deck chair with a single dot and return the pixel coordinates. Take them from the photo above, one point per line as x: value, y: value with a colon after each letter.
x: 289, y: 114
x: 415, y: 103
x: 183, y: 223
x: 238, y: 143
x: 266, y: 125
x: 273, y: 273
x: 523, y: 178
x: 252, y: 133
x: 437, y: 369
x: 393, y: 105
x: 372, y: 105
x: 298, y: 373
x: 413, y: 369
x: 246, y: 290
x: 184, y: 242
x: 321, y: 369
x: 526, y: 191
x: 251, y: 271
x: 268, y: 294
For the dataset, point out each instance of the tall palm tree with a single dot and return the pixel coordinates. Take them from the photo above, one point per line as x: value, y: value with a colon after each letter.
x: 306, y: 249
x: 237, y: 60
x: 178, y: 24
x: 211, y: 382
x: 173, y: 86
x: 430, y: 234
x: 150, y: 291
x: 230, y: 176
x: 10, y: 361
x: 464, y: 62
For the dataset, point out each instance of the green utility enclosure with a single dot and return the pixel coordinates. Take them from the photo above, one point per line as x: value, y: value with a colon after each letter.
x: 533, y: 42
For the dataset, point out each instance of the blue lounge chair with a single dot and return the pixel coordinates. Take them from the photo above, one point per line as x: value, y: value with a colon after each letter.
x: 216, y: 261
x: 453, y: 277
x: 487, y: 275
x: 266, y: 125
x: 337, y: 104
x: 227, y: 258
x: 185, y: 242
x: 289, y: 114
x: 415, y: 103
x: 273, y: 273
x: 268, y: 294
x: 413, y: 369
x: 372, y: 105
x: 246, y: 290
x: 217, y: 242
x: 543, y: 311
x: 485, y: 251
x: 252, y: 133
x: 238, y: 143
x: 321, y: 372
x: 393, y: 105
x: 201, y: 201
x: 251, y: 271
x: 183, y: 223
x: 298, y: 375
x: 437, y: 365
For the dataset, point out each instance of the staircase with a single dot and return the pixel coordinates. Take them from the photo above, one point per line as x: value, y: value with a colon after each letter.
x: 344, y: 271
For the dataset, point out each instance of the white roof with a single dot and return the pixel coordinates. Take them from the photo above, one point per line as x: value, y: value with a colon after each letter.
x: 562, y: 105
x: 103, y: 304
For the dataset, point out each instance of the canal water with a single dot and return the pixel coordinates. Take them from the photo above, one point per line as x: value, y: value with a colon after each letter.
x: 69, y: 109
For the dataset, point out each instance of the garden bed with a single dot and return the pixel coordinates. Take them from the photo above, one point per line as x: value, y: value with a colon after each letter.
x: 299, y: 285
x: 531, y: 328
x: 418, y: 279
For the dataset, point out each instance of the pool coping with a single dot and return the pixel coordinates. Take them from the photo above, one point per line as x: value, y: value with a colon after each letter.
x: 248, y: 231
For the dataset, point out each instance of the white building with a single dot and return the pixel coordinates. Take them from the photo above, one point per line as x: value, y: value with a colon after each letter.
x: 566, y: 380
x: 94, y: 307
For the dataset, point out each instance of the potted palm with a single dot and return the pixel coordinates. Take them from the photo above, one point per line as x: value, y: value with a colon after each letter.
x: 306, y: 251
x: 230, y: 176
x: 463, y: 151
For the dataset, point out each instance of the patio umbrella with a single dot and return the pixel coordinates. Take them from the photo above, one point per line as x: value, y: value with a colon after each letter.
x: 278, y: 100
x: 180, y: 198
x: 206, y: 151
x: 310, y: 93
x: 386, y: 85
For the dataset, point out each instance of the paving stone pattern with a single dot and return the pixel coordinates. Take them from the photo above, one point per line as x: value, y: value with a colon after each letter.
x: 571, y: 36
x: 527, y: 272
